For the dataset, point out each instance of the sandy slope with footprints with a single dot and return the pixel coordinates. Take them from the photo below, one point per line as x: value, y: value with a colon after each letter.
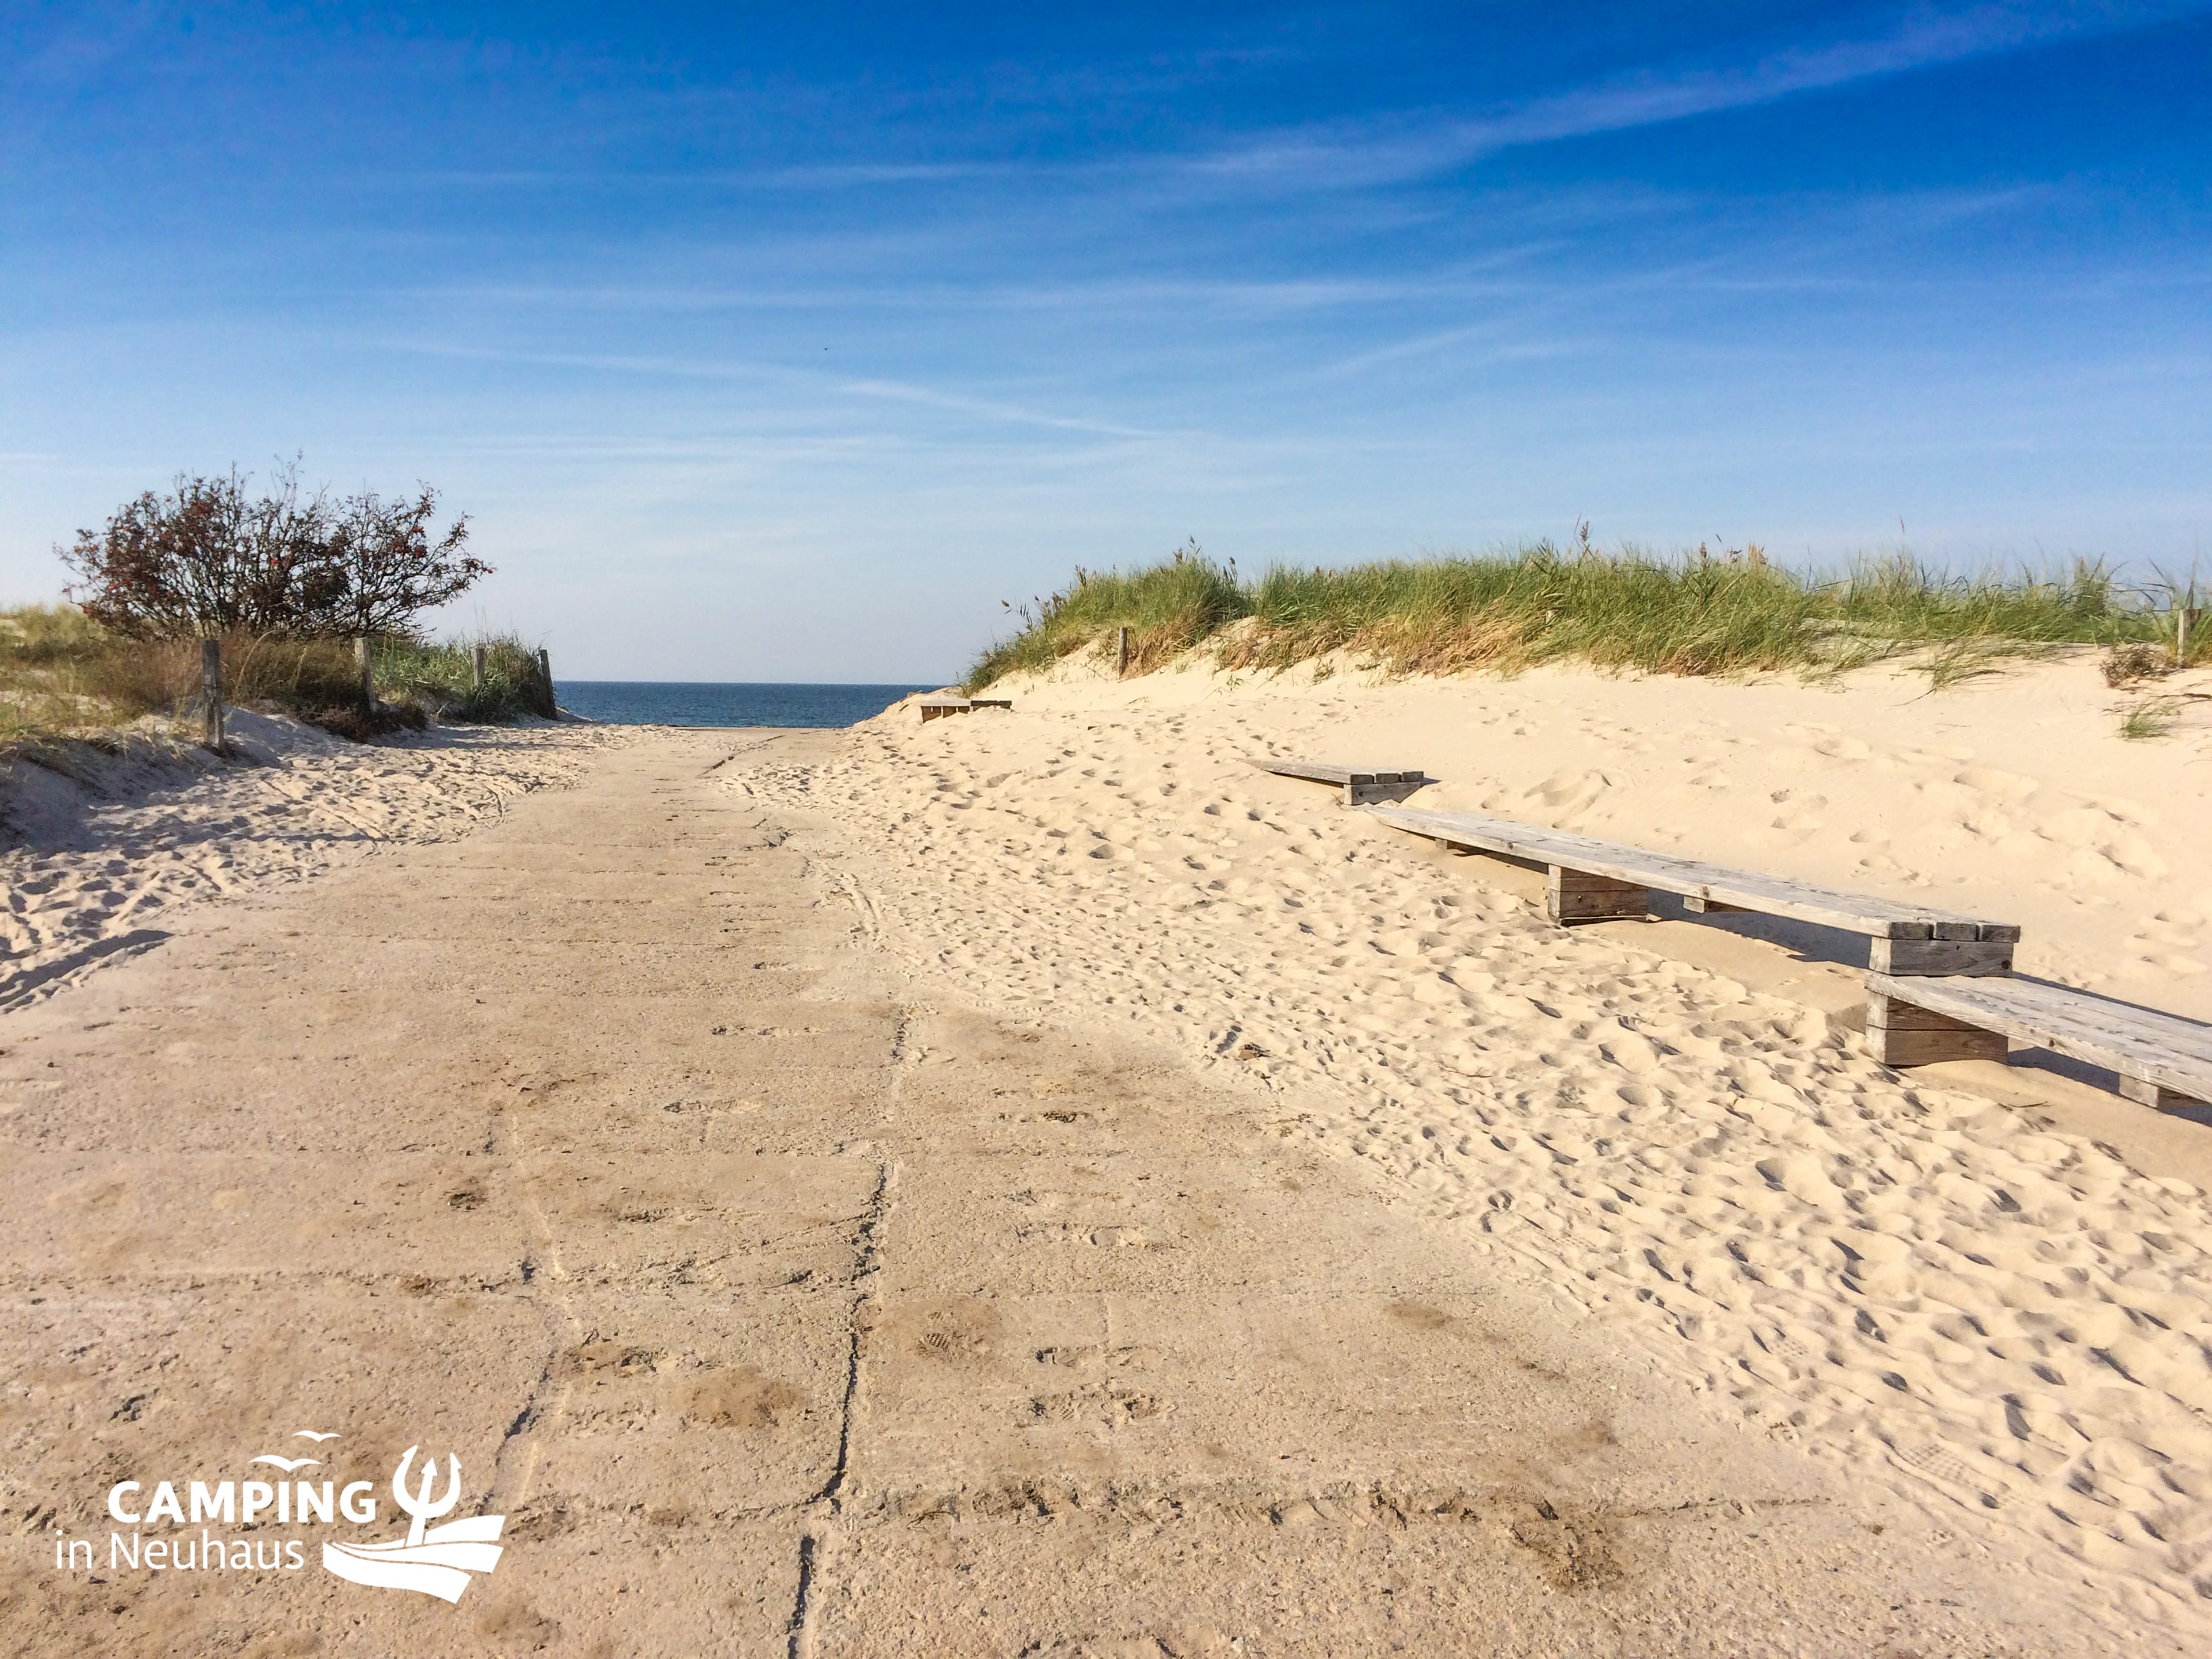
x: 1999, y: 1316
x: 97, y: 848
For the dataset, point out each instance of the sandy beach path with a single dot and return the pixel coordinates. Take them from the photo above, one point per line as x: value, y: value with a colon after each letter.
x: 784, y: 1304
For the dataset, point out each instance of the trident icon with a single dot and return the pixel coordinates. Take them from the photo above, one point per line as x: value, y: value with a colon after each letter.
x: 420, y: 1505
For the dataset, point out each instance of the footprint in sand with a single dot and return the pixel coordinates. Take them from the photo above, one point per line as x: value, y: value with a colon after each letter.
x: 2005, y: 786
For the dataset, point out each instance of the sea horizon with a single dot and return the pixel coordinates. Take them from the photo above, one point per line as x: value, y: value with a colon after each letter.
x: 813, y: 703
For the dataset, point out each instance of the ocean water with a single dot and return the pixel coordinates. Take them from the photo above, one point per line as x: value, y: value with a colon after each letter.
x: 675, y: 702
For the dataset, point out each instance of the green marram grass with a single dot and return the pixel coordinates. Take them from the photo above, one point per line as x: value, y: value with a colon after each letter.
x: 2153, y: 718
x: 1167, y: 609
x: 440, y: 676
x: 1734, y: 615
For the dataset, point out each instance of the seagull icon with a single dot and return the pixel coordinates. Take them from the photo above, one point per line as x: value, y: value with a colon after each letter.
x: 310, y: 1434
x: 287, y: 1464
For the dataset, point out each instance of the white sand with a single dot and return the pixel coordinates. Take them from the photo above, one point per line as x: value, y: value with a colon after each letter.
x: 1986, y: 1307
x: 97, y: 848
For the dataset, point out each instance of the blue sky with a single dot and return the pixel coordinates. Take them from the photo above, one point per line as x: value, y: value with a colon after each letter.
x: 784, y: 343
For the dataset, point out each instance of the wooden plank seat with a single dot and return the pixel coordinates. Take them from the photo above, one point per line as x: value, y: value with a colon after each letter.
x: 1593, y: 880
x: 2162, y: 1058
x: 1939, y: 984
x: 1361, y: 785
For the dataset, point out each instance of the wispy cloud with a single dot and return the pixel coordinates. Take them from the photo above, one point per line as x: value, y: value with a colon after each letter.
x: 1465, y: 279
x: 1398, y: 147
x: 679, y: 368
x: 898, y: 392
x: 809, y: 176
x: 1492, y: 343
x: 884, y: 391
x: 1343, y: 158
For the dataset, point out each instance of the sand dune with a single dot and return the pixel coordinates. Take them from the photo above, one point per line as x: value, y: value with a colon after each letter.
x: 96, y: 849
x: 1998, y: 1315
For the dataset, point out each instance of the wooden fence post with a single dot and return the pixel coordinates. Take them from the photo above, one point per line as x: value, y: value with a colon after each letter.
x: 368, y: 683
x: 476, y: 666
x: 211, y: 692
x: 1121, y: 654
x: 545, y: 673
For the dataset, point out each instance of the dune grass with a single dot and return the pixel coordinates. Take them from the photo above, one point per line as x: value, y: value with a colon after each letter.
x: 61, y: 675
x: 438, y: 676
x: 1168, y: 608
x: 2152, y: 718
x: 1736, y: 614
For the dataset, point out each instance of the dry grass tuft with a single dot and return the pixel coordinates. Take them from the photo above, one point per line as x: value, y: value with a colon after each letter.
x: 2127, y: 665
x: 62, y: 675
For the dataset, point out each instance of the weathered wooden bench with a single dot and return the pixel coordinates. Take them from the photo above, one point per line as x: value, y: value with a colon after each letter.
x: 2162, y: 1058
x: 1361, y: 785
x: 936, y: 707
x: 1939, y: 984
x: 1593, y: 880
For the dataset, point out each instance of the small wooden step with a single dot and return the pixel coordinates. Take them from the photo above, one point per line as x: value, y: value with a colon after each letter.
x: 937, y: 707
x: 1361, y: 785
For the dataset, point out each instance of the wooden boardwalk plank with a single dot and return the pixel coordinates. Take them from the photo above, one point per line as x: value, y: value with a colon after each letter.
x: 2162, y: 1049
x: 1711, y: 884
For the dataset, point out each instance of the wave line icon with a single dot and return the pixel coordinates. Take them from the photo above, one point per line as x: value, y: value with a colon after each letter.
x: 431, y: 1560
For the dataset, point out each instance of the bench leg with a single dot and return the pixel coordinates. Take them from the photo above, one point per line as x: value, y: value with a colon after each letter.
x: 1904, y: 1034
x: 2144, y: 1092
x: 1571, y: 896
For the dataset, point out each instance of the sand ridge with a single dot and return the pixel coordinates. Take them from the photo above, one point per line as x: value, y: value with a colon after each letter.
x: 2001, y: 1320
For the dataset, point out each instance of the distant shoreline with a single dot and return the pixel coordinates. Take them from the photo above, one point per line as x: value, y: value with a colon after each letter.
x: 729, y: 704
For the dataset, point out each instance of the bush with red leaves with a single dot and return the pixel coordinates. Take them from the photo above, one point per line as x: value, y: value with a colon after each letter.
x: 207, y: 560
